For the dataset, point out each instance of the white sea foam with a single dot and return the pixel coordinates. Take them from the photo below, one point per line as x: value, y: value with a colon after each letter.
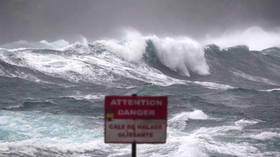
x: 228, y: 148
x: 179, y: 120
x: 246, y: 122
x: 196, y: 114
x: 88, y: 96
x: 56, y: 65
x: 267, y: 135
x: 188, y: 146
x: 234, y: 149
x: 271, y: 90
x: 43, y: 44
x: 58, y: 44
x: 140, y: 71
x: 217, y: 131
x: 179, y: 144
x: 180, y: 54
x: 201, y: 141
x: 213, y: 85
x: 222, y: 130
x: 254, y: 37
x: 254, y: 78
x: 131, y: 46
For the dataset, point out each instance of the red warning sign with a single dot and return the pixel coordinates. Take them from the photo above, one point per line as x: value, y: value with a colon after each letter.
x: 135, y: 119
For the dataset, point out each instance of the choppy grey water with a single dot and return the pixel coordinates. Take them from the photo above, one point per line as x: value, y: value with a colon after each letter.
x: 222, y: 102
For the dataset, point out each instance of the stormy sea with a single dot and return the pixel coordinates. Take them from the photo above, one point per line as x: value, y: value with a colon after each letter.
x: 223, y: 97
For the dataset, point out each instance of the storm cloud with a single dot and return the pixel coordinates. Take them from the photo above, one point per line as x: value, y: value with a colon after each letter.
x: 68, y: 19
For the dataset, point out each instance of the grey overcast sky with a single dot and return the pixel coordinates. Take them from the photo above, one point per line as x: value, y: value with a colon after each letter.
x: 67, y: 19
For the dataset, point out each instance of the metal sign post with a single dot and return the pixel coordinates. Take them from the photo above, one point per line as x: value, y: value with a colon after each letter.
x: 133, y: 150
x: 133, y: 146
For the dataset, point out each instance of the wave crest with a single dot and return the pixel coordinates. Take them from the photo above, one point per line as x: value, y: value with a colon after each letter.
x: 180, y: 54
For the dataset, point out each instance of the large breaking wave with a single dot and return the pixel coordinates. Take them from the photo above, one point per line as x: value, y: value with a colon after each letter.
x: 135, y: 57
x: 144, y: 58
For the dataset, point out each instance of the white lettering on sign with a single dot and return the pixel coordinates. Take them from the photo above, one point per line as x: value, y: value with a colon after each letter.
x: 142, y: 102
x: 116, y: 126
x: 150, y: 127
x: 131, y: 112
x: 139, y: 130
x: 133, y: 134
x: 139, y: 126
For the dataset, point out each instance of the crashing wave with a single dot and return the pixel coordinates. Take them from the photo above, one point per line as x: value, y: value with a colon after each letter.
x: 144, y: 58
